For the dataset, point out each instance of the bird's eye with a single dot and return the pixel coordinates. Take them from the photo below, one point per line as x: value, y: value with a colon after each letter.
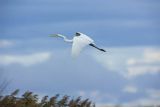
x: 78, y: 34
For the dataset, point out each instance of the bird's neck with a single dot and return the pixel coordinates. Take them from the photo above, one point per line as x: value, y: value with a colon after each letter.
x: 67, y: 40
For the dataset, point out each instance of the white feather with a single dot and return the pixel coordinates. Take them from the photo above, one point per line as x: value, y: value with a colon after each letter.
x: 79, y: 42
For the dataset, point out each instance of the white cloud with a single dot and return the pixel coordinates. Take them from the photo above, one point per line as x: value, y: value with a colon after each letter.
x: 148, y: 102
x: 148, y: 63
x: 98, y: 96
x: 152, y: 98
x: 130, y: 89
x: 153, y: 93
x: 150, y: 55
x: 132, y: 61
x: 141, y: 70
x: 25, y: 60
x: 106, y: 105
x: 94, y: 95
x: 5, y: 43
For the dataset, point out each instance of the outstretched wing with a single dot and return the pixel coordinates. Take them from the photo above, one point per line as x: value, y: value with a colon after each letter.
x: 79, y: 42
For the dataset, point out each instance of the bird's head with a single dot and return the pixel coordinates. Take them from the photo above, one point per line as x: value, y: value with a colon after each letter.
x: 78, y: 34
x: 53, y: 35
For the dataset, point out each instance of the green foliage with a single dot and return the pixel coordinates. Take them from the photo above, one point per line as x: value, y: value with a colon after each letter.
x: 29, y: 99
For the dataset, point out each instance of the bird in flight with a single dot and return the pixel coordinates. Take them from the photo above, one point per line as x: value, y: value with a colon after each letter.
x: 79, y: 41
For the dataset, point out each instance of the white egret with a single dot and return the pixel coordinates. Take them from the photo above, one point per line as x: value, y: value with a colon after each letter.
x: 79, y: 41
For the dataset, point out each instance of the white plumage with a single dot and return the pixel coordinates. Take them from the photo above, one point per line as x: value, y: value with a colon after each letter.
x: 79, y: 41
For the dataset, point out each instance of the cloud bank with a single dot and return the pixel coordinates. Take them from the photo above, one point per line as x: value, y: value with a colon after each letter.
x: 24, y: 60
x: 131, y: 62
x: 5, y: 43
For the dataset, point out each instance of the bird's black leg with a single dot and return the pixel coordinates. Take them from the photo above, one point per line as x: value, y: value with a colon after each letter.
x: 93, y: 45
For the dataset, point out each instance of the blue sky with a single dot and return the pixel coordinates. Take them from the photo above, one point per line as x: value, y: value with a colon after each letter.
x: 129, y: 30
